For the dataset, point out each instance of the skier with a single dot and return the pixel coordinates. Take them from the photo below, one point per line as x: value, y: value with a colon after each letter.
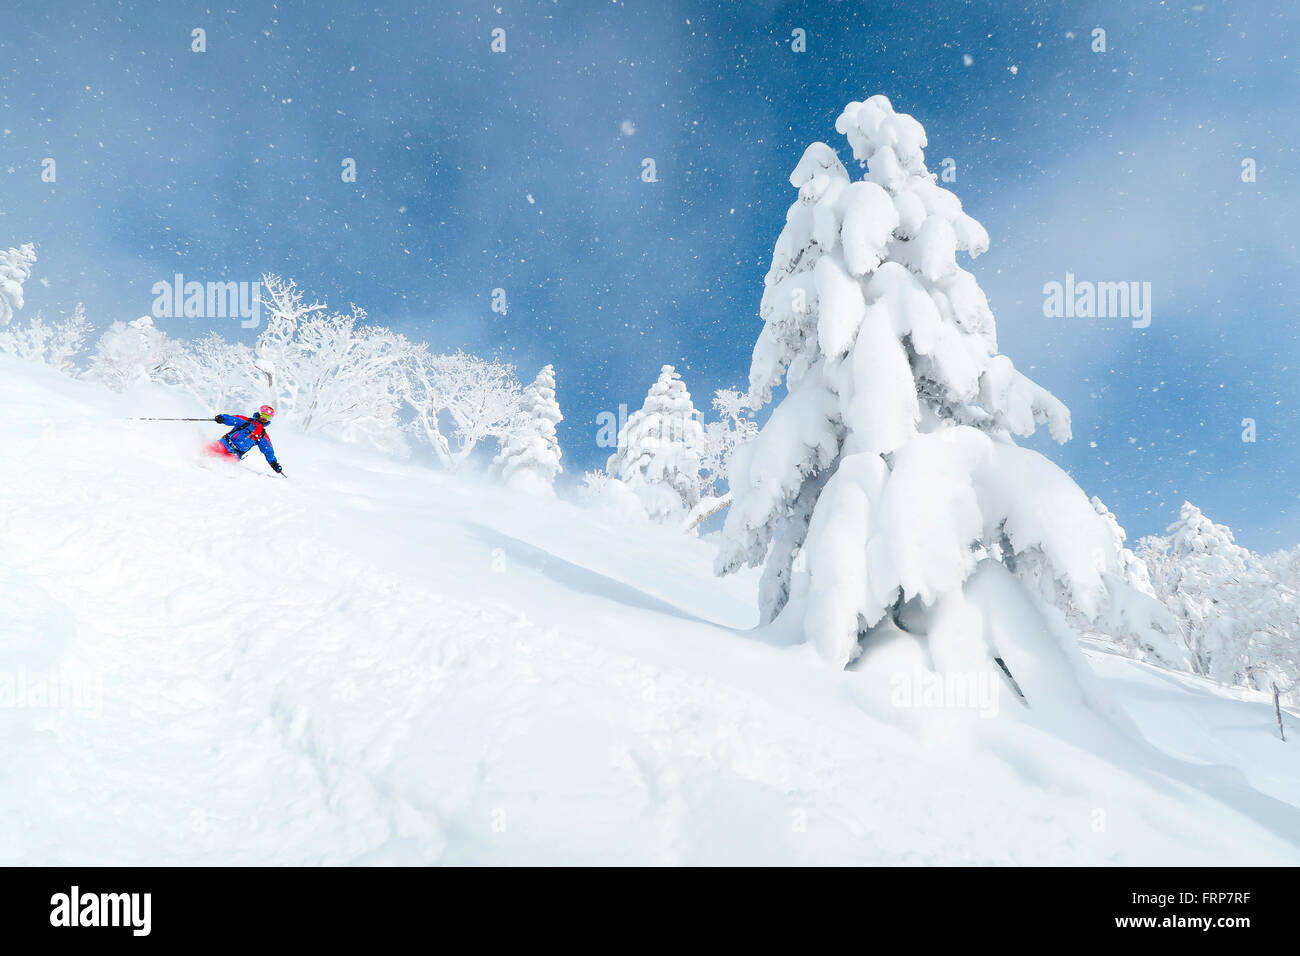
x: 246, y: 433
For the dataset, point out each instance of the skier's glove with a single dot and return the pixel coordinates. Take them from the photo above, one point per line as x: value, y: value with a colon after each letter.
x: 279, y: 469
x: 217, y: 419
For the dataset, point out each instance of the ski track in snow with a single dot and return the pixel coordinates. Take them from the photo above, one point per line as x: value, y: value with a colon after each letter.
x: 370, y: 662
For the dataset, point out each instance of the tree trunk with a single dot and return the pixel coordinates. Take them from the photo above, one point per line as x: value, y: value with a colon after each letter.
x: 704, y: 510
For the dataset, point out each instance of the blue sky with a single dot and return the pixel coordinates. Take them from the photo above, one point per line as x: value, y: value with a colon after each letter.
x: 1123, y: 165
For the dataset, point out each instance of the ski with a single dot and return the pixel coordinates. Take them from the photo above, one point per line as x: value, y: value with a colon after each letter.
x: 1006, y: 671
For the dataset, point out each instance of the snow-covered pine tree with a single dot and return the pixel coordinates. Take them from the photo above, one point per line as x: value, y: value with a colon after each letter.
x: 660, y: 450
x: 529, y: 458
x: 15, y: 269
x: 888, y: 468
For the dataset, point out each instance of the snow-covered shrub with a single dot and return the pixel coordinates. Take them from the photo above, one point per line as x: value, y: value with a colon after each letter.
x: 15, y: 269
x: 887, y: 476
x: 661, y: 450
x: 530, y: 456
x: 130, y: 352
x: 602, y: 492
x: 54, y: 345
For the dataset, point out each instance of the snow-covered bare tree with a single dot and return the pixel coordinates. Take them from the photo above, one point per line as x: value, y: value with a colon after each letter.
x: 530, y: 455
x: 1273, y: 650
x: 15, y: 269
x: 220, y: 373
x: 130, y: 352
x: 661, y: 450
x: 1239, y: 616
x: 734, y: 427
x: 55, y: 345
x: 286, y: 310
x: 887, y: 480
x: 330, y: 371
x: 479, y: 398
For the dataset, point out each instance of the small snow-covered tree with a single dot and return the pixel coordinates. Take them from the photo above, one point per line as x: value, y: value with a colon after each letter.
x: 734, y: 427
x: 660, y: 450
x: 129, y: 352
x: 530, y: 455
x: 885, y: 489
x: 54, y: 345
x: 15, y: 269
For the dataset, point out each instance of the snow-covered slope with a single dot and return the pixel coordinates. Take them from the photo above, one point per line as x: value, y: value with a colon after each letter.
x: 371, y: 662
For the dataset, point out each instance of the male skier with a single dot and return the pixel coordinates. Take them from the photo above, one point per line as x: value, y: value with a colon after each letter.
x: 246, y: 433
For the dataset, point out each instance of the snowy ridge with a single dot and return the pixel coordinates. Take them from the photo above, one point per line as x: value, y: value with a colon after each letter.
x: 371, y: 662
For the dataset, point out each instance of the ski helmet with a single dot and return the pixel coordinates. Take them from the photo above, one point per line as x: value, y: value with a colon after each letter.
x: 266, y: 413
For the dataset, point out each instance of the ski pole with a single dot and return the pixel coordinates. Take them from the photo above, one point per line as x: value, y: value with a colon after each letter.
x: 170, y: 419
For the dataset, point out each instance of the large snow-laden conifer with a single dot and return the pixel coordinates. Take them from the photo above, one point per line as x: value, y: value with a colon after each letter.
x: 888, y: 472
x: 15, y: 269
x: 530, y: 457
x: 661, y: 449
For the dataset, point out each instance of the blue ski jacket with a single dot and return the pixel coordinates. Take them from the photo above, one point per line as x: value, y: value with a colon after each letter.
x: 246, y: 433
